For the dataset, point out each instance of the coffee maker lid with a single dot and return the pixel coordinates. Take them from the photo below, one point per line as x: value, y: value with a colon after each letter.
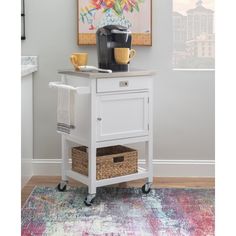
x: 114, y: 29
x: 118, y: 31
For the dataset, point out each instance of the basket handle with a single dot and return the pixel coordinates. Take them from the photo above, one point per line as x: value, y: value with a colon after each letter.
x: 118, y: 159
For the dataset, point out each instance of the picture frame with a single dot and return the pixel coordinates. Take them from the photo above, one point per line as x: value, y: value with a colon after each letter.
x: 133, y: 14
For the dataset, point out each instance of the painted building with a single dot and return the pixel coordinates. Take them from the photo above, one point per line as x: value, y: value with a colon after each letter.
x: 203, y: 46
x: 193, y: 36
x: 200, y: 20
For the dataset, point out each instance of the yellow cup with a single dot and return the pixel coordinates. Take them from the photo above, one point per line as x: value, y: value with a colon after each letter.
x: 123, y: 55
x: 79, y: 59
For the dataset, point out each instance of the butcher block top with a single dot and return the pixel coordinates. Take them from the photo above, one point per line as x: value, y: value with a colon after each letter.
x: 97, y: 75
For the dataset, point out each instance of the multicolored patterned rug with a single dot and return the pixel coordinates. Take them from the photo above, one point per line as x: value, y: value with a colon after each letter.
x: 123, y: 212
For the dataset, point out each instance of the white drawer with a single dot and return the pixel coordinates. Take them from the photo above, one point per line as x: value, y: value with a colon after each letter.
x: 122, y: 84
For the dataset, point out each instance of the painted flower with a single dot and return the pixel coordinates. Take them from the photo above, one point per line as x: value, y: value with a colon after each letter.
x: 117, y: 6
x: 96, y: 4
x: 109, y: 3
x: 127, y: 5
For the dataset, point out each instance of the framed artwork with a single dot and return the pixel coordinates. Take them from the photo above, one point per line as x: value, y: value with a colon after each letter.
x: 133, y: 14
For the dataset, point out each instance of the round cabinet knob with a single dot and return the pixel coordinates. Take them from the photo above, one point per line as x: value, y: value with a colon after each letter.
x: 99, y: 118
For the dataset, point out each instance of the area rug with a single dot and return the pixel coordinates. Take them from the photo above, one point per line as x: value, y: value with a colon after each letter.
x: 119, y: 212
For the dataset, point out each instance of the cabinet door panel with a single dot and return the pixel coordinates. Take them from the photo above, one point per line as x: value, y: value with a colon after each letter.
x: 122, y: 116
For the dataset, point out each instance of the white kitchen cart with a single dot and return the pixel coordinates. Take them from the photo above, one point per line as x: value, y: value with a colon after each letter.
x: 110, y: 109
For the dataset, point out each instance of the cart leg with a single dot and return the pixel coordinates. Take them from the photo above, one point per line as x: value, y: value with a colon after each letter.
x: 92, y: 147
x: 149, y: 156
x: 92, y: 176
x: 65, y: 159
x: 92, y: 170
x: 64, y: 165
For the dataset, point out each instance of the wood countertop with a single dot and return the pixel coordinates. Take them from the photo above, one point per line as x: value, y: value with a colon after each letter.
x: 99, y: 75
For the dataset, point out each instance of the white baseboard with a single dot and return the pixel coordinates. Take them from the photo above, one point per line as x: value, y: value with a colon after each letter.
x: 161, y: 168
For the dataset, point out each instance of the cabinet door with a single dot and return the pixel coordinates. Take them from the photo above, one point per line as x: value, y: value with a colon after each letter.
x: 122, y: 116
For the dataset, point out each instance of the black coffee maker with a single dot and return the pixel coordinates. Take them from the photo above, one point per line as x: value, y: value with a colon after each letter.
x: 108, y: 38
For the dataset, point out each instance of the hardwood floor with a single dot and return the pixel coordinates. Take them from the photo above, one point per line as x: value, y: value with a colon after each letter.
x: 171, y: 182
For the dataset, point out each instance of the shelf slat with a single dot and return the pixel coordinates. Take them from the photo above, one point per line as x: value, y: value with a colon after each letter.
x: 77, y: 176
x: 122, y: 141
x: 142, y: 173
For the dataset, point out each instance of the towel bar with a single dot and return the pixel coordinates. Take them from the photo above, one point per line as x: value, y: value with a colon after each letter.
x: 79, y: 90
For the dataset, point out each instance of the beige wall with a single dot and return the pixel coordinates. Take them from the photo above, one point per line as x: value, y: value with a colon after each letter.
x: 184, y: 100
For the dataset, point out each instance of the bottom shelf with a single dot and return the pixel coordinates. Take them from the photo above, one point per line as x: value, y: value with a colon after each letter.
x: 77, y: 176
x: 142, y: 173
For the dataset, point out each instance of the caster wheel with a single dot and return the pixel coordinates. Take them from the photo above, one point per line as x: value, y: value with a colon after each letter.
x: 89, y: 200
x: 61, y: 187
x: 146, y: 188
x: 87, y: 204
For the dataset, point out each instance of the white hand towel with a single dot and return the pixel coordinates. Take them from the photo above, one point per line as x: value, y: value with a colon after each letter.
x: 65, y: 110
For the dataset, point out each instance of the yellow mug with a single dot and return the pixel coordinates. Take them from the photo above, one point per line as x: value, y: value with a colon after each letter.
x: 123, y: 55
x: 79, y: 59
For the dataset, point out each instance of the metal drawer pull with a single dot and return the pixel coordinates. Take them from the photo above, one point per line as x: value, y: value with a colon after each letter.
x: 118, y: 159
x: 124, y: 83
x: 99, y: 118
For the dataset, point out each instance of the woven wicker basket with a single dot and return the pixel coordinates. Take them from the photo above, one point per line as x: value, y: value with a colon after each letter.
x: 111, y: 161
